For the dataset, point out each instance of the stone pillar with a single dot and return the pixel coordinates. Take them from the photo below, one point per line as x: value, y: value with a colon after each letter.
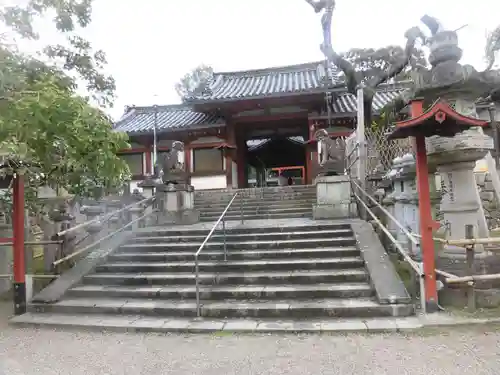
x: 92, y: 212
x: 176, y: 204
x: 405, y: 197
x: 116, y: 221
x: 136, y: 213
x: 455, y: 159
x: 56, y: 219
x: 333, y: 195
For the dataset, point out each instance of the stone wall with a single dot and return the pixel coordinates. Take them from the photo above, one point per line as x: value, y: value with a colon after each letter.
x: 488, y: 199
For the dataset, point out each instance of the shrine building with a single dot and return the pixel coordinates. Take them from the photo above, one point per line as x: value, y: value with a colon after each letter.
x: 248, y: 126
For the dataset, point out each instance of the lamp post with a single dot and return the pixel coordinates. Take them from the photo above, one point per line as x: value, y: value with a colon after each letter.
x: 155, y: 125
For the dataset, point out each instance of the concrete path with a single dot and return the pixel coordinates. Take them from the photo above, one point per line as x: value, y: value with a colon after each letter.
x: 30, y: 351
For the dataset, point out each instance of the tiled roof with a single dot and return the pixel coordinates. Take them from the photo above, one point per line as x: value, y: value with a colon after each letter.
x: 347, y: 103
x: 168, y: 118
x: 279, y: 81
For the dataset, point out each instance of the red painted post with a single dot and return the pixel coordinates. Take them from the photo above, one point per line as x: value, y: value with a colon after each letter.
x: 18, y: 239
x: 426, y: 221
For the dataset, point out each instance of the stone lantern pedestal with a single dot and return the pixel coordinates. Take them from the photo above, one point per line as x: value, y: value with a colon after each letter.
x: 455, y: 159
x: 175, y: 204
x: 405, y: 197
x: 333, y: 195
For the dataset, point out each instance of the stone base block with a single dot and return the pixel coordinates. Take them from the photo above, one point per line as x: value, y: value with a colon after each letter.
x: 333, y: 194
x: 334, y: 211
x: 457, y: 297
x: 184, y: 217
x: 454, y: 262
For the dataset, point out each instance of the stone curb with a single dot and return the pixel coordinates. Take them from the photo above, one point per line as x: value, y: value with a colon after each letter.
x: 137, y: 324
x: 152, y: 325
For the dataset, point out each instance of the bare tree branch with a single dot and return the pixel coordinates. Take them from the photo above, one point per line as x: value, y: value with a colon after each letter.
x: 354, y: 78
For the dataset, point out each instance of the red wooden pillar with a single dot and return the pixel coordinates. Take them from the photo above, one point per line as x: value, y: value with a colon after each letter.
x: 18, y: 240
x: 426, y: 222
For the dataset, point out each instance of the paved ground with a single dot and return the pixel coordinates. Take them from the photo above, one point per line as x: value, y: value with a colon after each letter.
x: 51, y: 352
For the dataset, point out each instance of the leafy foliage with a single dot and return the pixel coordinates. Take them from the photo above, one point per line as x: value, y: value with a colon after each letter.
x: 374, y: 62
x: 194, y: 83
x: 57, y: 137
x: 46, y: 130
x: 77, y: 56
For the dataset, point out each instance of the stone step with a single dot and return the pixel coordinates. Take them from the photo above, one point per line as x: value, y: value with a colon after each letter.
x: 254, y: 193
x: 152, y: 244
x: 257, y: 189
x: 254, y: 210
x: 230, y: 278
x: 342, y: 290
x: 176, y: 231
x: 233, y: 265
x: 270, y: 216
x: 254, y: 205
x: 230, y: 236
x: 305, y: 309
x: 273, y: 196
x: 258, y: 201
x: 262, y: 211
x: 134, y: 323
x: 168, y: 256
x: 271, y: 199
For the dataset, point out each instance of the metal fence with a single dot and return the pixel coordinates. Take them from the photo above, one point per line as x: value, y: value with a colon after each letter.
x: 380, y: 151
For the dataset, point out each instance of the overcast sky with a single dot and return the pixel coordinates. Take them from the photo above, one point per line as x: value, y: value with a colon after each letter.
x: 151, y: 43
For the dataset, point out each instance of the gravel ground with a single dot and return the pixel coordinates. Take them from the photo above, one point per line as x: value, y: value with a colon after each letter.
x: 45, y: 351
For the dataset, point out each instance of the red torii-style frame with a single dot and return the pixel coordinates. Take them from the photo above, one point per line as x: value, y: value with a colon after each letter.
x: 442, y: 120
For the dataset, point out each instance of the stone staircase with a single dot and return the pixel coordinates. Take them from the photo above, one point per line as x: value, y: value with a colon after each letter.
x: 296, y: 270
x: 257, y: 204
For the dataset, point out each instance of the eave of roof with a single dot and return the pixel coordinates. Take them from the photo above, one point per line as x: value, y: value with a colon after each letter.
x: 167, y: 118
x: 256, y: 144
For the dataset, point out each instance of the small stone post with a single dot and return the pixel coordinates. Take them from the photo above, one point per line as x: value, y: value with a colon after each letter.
x: 93, y: 230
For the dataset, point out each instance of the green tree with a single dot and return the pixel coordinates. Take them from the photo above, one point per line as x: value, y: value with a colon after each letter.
x: 194, y: 83
x: 374, y: 62
x: 57, y: 135
x: 76, y: 57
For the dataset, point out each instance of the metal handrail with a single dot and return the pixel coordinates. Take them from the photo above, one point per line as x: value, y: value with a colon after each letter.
x: 104, y: 217
x: 196, y: 264
x: 356, y: 146
x: 95, y: 243
x: 410, y: 235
